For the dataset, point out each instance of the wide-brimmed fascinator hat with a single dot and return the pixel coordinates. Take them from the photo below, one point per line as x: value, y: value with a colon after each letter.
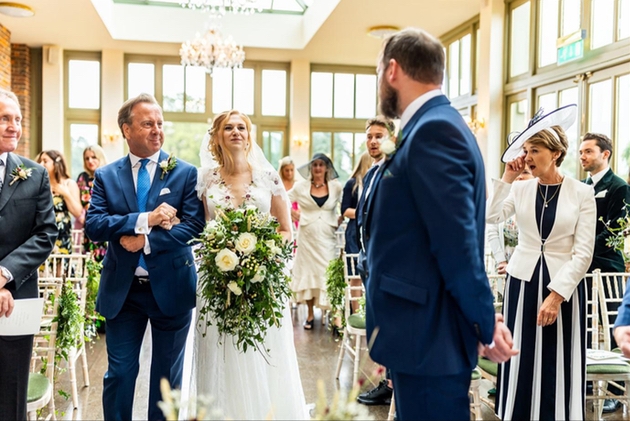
x: 563, y: 117
x: 305, y: 170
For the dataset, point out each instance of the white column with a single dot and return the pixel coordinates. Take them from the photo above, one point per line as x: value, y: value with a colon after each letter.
x: 52, y: 98
x: 299, y: 111
x: 112, y: 97
x: 490, y: 83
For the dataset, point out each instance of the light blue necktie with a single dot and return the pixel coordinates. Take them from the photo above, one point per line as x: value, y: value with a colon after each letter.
x: 142, y: 193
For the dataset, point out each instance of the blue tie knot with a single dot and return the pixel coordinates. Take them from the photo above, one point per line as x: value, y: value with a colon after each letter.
x: 144, y: 162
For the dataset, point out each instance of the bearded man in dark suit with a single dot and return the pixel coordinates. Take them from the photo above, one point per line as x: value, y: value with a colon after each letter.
x: 428, y: 301
x: 27, y: 235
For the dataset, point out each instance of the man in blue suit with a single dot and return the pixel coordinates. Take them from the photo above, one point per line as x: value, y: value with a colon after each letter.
x: 146, y: 207
x: 429, y: 304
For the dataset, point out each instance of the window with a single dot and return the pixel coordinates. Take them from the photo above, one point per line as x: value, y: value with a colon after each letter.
x: 81, y: 136
x: 82, y: 74
x: 459, y: 66
x: 190, y: 98
x: 609, y: 24
x: 84, y: 84
x: 519, y: 40
x: 344, y: 148
x: 622, y: 132
x: 343, y: 94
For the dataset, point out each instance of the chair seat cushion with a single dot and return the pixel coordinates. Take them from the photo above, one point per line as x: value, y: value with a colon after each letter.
x: 476, y: 375
x: 356, y: 321
x: 607, y: 368
x: 488, y: 366
x: 38, y: 385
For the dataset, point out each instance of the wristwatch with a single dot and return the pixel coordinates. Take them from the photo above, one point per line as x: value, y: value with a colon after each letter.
x: 5, y: 272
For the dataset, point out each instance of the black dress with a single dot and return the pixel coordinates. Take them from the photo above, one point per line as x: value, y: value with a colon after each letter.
x: 350, y: 200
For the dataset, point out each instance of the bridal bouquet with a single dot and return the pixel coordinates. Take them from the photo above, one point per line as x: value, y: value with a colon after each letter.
x: 242, y: 279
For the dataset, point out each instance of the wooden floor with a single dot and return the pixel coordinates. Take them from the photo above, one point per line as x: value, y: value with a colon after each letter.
x: 317, y: 353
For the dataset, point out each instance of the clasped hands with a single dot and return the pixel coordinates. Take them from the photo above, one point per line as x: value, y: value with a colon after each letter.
x: 501, y: 348
x: 163, y: 216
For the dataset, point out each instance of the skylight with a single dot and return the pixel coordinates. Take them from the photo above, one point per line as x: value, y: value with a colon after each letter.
x: 268, y: 6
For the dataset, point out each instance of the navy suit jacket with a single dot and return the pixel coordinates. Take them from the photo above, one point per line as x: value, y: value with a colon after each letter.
x: 113, y: 212
x: 611, y: 194
x: 428, y: 298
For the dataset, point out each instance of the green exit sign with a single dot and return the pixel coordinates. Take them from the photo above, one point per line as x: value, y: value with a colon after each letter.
x: 571, y: 47
x: 570, y: 52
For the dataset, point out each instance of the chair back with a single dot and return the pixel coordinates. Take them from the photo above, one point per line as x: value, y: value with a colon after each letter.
x: 350, y: 273
x: 497, y: 285
x: 340, y: 236
x: 44, y: 341
x: 611, y: 288
x: 77, y: 241
x: 592, y: 309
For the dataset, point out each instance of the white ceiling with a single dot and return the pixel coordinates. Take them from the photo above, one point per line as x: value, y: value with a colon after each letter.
x: 331, y: 31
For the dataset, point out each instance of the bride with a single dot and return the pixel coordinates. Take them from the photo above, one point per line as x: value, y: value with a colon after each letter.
x: 245, y: 385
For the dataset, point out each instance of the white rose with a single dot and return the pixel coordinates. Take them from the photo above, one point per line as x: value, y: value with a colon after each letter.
x: 226, y: 260
x: 164, y: 165
x: 233, y: 286
x: 388, y: 146
x: 250, y: 207
x: 246, y: 242
x: 260, y: 275
x: 212, y: 224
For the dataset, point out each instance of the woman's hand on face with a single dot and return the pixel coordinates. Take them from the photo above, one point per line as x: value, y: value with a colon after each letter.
x: 513, y: 169
x: 549, y: 310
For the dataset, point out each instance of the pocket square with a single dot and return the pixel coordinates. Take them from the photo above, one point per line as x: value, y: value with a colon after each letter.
x: 164, y: 191
x: 601, y: 194
x: 388, y: 174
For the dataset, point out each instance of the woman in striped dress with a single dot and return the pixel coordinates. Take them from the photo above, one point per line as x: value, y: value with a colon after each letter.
x: 544, y: 300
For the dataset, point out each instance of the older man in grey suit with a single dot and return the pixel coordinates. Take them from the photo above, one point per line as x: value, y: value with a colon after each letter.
x: 27, y: 235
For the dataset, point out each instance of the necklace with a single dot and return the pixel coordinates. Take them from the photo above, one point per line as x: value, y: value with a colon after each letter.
x: 317, y: 186
x: 546, y: 202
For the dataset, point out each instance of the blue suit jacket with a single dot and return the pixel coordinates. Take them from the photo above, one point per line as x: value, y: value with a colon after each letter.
x: 623, y: 317
x: 113, y: 212
x: 428, y: 297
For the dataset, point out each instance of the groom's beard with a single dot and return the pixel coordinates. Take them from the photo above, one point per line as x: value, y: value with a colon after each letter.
x: 388, y: 105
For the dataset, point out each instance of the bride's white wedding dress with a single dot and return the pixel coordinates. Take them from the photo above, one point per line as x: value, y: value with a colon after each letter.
x: 245, y: 386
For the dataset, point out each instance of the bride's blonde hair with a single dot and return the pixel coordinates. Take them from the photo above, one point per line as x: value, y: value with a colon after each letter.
x: 222, y: 155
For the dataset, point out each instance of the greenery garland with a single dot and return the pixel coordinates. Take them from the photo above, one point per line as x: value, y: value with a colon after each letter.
x: 92, y: 318
x: 336, y: 289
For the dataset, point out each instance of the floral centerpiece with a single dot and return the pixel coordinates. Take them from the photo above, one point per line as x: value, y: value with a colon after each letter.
x: 242, y: 278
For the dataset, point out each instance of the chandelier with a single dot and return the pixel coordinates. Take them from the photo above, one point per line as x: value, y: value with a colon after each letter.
x: 212, y: 51
x: 221, y: 7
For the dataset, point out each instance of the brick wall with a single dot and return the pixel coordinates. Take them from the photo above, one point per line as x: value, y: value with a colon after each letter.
x: 21, y: 86
x: 5, y: 58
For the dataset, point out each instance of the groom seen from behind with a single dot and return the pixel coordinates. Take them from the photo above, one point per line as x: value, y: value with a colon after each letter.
x: 428, y: 301
x: 145, y: 205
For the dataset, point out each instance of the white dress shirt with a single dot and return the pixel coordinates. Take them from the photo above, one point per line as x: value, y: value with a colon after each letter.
x: 597, y: 177
x: 415, y: 106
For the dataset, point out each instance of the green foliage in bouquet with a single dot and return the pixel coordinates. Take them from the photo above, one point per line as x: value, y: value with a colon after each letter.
x: 92, y: 318
x: 336, y: 289
x: 242, y: 278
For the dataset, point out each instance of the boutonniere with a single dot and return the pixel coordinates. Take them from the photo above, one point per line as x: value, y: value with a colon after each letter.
x: 20, y: 173
x: 167, y: 165
x: 388, y: 146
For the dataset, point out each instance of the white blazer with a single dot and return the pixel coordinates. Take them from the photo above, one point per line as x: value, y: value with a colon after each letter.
x: 309, y: 211
x: 569, y: 248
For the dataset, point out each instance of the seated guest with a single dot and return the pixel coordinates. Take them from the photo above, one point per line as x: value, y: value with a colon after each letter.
x: 66, y: 199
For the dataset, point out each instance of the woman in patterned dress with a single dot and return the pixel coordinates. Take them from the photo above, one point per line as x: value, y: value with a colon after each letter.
x: 66, y: 200
x: 544, y: 301
x: 93, y: 158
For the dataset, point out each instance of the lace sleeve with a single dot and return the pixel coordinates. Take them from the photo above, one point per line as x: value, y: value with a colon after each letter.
x: 271, y: 181
x: 206, y: 177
